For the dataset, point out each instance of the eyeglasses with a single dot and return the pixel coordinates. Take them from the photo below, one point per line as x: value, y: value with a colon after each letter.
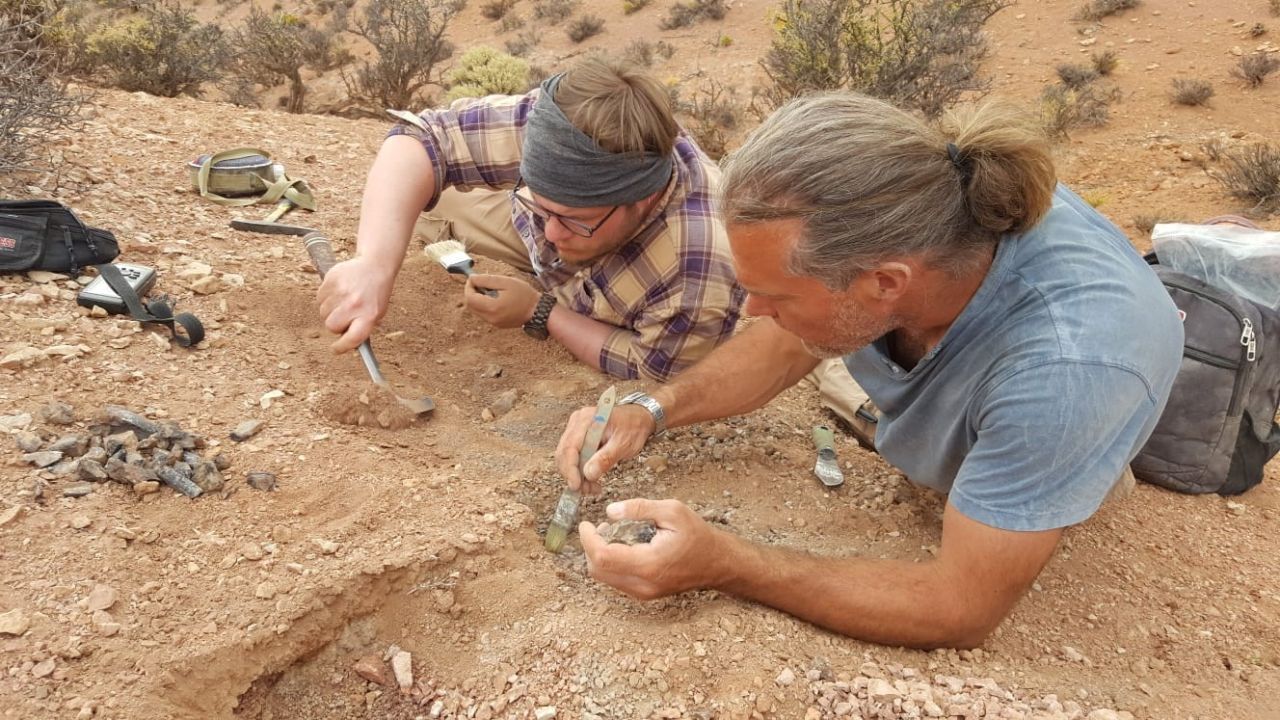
x: 577, y: 227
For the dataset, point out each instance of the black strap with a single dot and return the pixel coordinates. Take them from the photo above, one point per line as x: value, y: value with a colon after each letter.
x: 156, y: 311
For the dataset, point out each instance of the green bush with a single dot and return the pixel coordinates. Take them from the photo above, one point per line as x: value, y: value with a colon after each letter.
x: 919, y: 54
x: 484, y: 71
x: 163, y: 51
x: 631, y: 6
x: 273, y: 48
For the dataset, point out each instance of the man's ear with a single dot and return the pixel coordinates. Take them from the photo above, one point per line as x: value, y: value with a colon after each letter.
x: 889, y: 281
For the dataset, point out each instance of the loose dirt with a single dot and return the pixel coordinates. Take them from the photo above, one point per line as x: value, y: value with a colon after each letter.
x: 269, y: 604
x: 368, y: 407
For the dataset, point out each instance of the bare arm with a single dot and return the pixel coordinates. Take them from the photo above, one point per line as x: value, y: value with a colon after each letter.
x: 355, y: 293
x: 580, y: 335
x: 954, y: 600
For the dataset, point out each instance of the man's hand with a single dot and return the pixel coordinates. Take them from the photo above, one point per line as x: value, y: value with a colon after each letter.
x: 682, y: 556
x: 513, y: 306
x: 353, y: 298
x: 628, y: 430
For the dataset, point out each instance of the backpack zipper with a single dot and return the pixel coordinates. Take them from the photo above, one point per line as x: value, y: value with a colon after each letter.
x: 1248, y: 341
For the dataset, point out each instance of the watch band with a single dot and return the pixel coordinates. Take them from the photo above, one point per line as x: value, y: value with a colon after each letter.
x: 654, y: 407
x: 536, y: 327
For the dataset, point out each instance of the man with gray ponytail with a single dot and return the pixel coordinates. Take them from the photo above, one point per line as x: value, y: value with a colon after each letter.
x: 1018, y: 349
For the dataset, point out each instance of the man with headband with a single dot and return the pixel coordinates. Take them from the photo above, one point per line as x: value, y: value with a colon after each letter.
x: 588, y: 184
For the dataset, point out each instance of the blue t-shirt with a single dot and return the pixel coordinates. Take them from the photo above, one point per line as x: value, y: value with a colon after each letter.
x: 1045, y: 386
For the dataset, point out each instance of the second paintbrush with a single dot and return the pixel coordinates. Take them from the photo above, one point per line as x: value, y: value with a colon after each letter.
x: 453, y: 257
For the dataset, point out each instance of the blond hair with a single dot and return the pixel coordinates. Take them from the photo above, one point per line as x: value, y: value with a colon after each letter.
x: 872, y: 182
x: 621, y: 108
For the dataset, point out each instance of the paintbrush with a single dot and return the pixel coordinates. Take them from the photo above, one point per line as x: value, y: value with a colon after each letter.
x: 453, y: 257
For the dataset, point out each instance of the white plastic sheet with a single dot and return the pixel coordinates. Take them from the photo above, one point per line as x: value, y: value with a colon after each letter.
x: 1242, y: 260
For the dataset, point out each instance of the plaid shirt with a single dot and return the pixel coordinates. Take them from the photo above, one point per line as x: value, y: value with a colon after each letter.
x: 670, y: 291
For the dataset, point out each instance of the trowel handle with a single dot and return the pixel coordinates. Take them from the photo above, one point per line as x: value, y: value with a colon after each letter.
x: 823, y: 438
x: 321, y: 252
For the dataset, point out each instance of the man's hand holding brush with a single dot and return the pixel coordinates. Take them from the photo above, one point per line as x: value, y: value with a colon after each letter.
x: 510, y: 308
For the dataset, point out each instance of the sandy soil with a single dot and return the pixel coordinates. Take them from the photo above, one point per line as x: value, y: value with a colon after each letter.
x: 257, y: 604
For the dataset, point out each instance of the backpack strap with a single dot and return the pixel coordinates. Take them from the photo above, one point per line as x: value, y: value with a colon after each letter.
x: 156, y: 311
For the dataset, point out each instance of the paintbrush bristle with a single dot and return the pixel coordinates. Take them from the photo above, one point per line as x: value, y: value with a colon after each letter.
x: 448, y: 253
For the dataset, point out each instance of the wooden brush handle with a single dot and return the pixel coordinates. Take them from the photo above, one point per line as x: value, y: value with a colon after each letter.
x: 321, y: 252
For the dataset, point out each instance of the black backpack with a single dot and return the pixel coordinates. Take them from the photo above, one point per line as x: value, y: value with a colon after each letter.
x: 1219, y: 428
x: 46, y: 235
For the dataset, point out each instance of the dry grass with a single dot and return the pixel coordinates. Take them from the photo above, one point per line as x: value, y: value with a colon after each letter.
x: 554, y: 11
x: 1063, y: 109
x: 1191, y: 92
x: 1105, y: 63
x: 1095, y: 10
x: 584, y: 27
x: 643, y: 52
x: 1253, y: 173
x: 1076, y: 76
x: 1146, y: 222
x: 683, y: 14
x: 631, y: 6
x: 1254, y: 68
x: 497, y: 9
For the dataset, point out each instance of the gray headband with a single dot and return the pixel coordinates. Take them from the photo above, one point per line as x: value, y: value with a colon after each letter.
x: 564, y: 165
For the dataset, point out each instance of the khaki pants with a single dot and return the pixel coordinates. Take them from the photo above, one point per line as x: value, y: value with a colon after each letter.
x: 481, y: 221
x: 841, y: 395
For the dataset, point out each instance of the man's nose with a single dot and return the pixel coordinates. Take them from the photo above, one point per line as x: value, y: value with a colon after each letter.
x: 556, y: 232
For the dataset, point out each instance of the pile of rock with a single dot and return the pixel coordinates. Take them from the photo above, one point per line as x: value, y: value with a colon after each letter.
x: 120, y: 446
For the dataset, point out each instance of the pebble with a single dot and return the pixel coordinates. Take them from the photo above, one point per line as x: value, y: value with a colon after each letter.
x: 105, y: 624
x: 546, y: 712
x: 370, y: 668
x: 269, y: 397
x: 42, y: 459
x: 19, y: 421
x: 28, y: 442
x: 504, y: 403
x: 656, y: 463
x: 265, y: 590
x: 259, y: 480
x: 786, y: 677
x: 402, y: 667
x: 15, y: 622
x: 80, y: 521
x: 76, y: 490
x: 146, y: 487
x: 10, y: 515
x: 252, y: 551
x: 102, y: 597
x: 58, y: 413
x: 43, y: 669
x: 491, y: 371
x: 247, y: 429
x: 328, y: 547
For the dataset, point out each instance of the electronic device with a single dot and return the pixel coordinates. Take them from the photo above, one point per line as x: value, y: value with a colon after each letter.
x: 98, y: 293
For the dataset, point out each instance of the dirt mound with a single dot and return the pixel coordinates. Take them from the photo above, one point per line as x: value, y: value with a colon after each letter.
x: 373, y: 406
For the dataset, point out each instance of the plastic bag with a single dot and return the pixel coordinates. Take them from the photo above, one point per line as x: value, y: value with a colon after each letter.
x: 1242, y: 260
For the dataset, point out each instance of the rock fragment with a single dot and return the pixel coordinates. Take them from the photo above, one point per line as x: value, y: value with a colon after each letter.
x: 247, y: 429
x: 402, y: 667
x: 28, y: 442
x: 15, y: 622
x: 42, y: 459
x: 102, y: 597
x: 259, y: 480
x: 58, y: 413
x: 504, y: 403
x: 371, y: 668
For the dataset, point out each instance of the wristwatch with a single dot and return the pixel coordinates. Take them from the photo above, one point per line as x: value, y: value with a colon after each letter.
x: 536, y: 328
x: 653, y: 406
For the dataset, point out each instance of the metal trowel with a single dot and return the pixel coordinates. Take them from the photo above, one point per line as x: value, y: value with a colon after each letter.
x: 828, y: 467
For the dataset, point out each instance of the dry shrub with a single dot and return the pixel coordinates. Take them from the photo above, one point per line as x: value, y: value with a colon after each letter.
x: 1076, y: 76
x: 1063, y: 109
x: 520, y: 45
x: 645, y: 53
x: 511, y: 21
x: 497, y: 9
x: 1274, y: 6
x: 631, y: 6
x: 683, y: 14
x: 919, y: 54
x: 34, y: 101
x: 1097, y: 9
x: 1146, y: 222
x: 1253, y: 173
x: 1191, y: 92
x: 1258, y: 30
x: 1214, y: 149
x: 1255, y: 67
x: 484, y: 71
x: 273, y: 48
x: 408, y: 37
x: 162, y: 51
x: 584, y: 27
x: 554, y: 11
x: 712, y: 115
x: 1105, y: 62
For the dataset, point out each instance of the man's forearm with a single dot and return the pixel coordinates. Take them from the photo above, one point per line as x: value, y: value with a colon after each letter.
x: 400, y: 184
x: 582, y: 336
x: 739, y: 376
x: 890, y: 602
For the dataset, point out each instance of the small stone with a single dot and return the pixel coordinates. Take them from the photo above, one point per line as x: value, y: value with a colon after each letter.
x: 76, y: 490
x: 20, y: 421
x: 10, y: 514
x: 252, y: 551
x: 656, y: 463
x: 98, y: 311
x: 206, y: 476
x: 43, y: 669
x: 206, y: 285
x: 265, y: 590
x: 41, y: 459
x: 80, y: 521
x: 1236, y: 508
x: 73, y: 445
x: 15, y: 622
x: 786, y: 677
x: 486, y: 415
x: 269, y: 397
x: 370, y: 668
x: 92, y: 470
x: 146, y: 487
x: 102, y: 597
x: 491, y: 371
x: 546, y: 712
x: 247, y: 429
x: 505, y: 402
x: 58, y: 413
x: 28, y: 442
x: 882, y: 690
x: 328, y: 547
x: 402, y: 667
x: 44, y: 276
x: 105, y: 624
x: 21, y: 357
x: 259, y: 480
